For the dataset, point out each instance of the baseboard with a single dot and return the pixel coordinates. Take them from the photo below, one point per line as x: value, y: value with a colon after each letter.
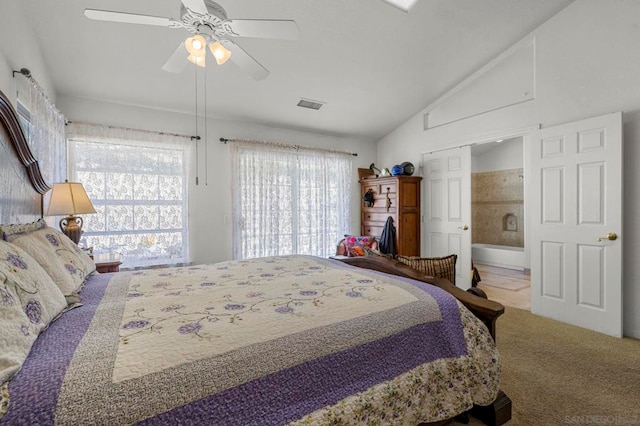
x: 631, y: 332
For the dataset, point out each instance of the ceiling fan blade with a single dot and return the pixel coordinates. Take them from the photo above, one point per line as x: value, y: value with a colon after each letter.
x: 265, y: 28
x: 177, y: 61
x: 246, y: 62
x: 197, y: 6
x: 129, y: 18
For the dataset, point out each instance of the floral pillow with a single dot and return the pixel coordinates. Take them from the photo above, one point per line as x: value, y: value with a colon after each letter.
x: 13, y: 231
x: 64, y: 261
x: 29, y: 301
x: 355, y: 245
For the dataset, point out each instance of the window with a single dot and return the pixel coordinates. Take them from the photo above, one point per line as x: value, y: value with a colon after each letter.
x: 137, y: 182
x: 24, y: 116
x: 289, y: 200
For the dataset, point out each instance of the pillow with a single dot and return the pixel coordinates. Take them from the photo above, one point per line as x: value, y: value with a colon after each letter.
x: 443, y: 267
x: 64, y: 261
x: 357, y: 251
x: 355, y: 244
x: 11, y: 232
x: 29, y: 301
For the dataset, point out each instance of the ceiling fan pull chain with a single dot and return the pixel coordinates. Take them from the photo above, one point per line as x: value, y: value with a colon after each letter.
x: 206, y: 155
x: 195, y: 75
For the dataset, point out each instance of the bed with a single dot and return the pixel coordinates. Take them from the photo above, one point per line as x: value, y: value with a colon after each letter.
x: 282, y: 340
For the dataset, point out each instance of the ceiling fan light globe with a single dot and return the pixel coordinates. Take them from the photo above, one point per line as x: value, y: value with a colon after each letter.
x: 198, y: 60
x: 196, y: 45
x: 221, y: 53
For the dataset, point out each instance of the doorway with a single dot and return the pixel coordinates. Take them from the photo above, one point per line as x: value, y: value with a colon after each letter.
x: 447, y: 198
x: 498, y: 217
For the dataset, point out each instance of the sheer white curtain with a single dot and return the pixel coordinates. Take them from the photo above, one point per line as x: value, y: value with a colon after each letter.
x: 288, y: 200
x: 137, y: 181
x: 46, y: 129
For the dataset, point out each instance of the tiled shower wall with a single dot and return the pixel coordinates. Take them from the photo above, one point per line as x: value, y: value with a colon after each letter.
x: 497, y: 204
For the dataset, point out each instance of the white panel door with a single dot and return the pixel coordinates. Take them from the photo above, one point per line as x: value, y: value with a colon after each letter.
x: 575, y: 238
x: 447, y: 208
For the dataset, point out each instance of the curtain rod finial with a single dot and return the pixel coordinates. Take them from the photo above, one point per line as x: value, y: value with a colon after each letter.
x: 23, y: 71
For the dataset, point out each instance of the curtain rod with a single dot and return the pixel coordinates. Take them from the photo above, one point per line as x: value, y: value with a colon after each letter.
x: 67, y: 122
x: 225, y: 140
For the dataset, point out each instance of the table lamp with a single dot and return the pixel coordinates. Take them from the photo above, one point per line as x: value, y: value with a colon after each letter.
x: 70, y: 198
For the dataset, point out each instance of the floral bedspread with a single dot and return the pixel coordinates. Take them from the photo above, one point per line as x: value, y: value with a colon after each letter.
x: 271, y: 341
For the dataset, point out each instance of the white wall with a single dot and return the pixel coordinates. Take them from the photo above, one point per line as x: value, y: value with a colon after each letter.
x: 587, y: 64
x: 19, y: 49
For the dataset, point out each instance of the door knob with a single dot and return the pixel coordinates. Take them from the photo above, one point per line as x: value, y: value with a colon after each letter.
x: 611, y: 236
x: 463, y: 227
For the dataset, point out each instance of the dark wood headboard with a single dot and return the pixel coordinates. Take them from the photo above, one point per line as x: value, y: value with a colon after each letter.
x: 21, y: 183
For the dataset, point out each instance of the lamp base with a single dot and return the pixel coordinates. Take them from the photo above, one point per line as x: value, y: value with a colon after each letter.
x: 72, y: 227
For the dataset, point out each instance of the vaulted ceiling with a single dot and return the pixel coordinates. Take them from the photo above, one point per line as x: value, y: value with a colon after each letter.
x: 373, y: 65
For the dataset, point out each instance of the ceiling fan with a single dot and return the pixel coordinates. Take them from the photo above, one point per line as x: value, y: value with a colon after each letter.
x: 208, y: 21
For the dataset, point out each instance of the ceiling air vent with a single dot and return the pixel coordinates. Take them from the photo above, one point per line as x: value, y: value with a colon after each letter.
x: 308, y: 103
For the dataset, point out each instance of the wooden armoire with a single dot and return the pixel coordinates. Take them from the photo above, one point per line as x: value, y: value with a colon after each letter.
x: 398, y: 197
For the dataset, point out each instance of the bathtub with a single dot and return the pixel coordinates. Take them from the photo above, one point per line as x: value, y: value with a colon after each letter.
x: 502, y: 256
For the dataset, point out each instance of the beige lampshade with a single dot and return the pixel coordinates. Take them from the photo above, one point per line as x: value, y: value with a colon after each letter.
x: 69, y: 198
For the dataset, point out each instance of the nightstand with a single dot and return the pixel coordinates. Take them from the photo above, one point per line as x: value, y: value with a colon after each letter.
x: 107, y: 262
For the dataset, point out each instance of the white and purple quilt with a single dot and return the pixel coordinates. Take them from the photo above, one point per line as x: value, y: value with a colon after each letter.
x: 271, y: 341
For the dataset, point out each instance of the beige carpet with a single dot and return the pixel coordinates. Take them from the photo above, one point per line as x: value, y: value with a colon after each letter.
x: 558, y: 374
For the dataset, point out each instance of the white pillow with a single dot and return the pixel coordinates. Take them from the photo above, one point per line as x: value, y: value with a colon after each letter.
x: 64, y: 261
x: 29, y: 301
